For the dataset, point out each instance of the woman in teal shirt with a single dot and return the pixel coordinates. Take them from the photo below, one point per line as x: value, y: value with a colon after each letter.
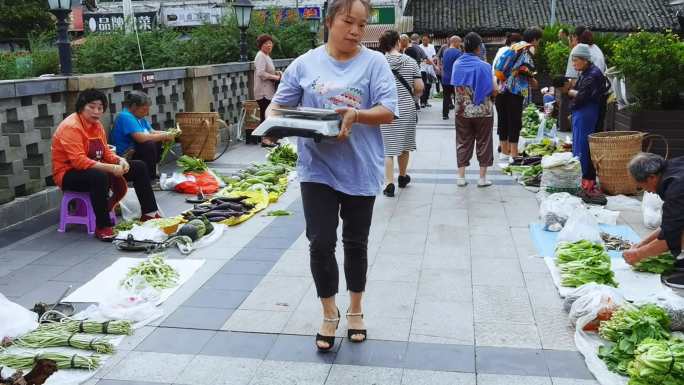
x: 133, y: 136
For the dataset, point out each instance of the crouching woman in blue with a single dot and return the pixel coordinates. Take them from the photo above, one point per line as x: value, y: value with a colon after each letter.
x: 587, y: 96
x: 341, y: 177
x: 133, y: 136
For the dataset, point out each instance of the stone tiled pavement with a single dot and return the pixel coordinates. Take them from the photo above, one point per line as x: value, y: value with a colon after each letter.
x: 454, y: 294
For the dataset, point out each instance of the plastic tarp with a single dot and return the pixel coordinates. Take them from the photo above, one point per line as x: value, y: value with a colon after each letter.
x: 106, y: 284
x: 545, y: 241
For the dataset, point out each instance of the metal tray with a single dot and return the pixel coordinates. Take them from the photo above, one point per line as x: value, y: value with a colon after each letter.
x: 308, y: 113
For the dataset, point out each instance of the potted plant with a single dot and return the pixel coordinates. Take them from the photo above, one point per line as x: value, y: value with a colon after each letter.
x: 652, y: 65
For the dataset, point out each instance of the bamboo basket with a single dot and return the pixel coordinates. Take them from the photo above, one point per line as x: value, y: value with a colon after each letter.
x: 199, y: 133
x: 611, y: 151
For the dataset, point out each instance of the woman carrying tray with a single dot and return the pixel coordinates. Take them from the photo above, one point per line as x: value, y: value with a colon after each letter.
x: 344, y: 175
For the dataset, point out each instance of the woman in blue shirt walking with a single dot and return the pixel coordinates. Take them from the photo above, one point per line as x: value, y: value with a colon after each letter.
x: 133, y: 136
x: 341, y: 177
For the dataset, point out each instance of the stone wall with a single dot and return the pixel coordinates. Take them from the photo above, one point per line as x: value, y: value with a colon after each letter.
x: 31, y: 110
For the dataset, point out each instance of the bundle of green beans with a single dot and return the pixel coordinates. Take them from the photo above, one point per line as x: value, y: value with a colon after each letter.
x: 121, y: 327
x: 25, y: 361
x: 155, y: 271
x: 41, y: 338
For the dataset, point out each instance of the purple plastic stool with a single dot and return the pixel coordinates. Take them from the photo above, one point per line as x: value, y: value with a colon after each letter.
x: 83, y: 213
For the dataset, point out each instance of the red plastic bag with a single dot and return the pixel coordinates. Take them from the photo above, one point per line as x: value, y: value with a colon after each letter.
x: 205, y: 181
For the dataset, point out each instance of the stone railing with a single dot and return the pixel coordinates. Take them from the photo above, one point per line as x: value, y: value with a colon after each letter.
x: 30, y: 111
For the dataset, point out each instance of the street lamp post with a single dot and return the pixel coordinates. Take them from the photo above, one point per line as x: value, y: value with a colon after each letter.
x: 314, y: 25
x: 61, y: 10
x: 243, y: 13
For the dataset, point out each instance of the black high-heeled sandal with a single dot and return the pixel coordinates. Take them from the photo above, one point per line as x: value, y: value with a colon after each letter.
x: 354, y: 332
x: 330, y: 340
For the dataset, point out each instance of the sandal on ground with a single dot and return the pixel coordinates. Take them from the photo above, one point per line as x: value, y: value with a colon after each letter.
x: 461, y: 182
x: 330, y: 340
x: 356, y: 332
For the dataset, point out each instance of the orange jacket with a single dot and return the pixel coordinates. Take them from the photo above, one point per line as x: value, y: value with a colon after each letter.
x: 79, y: 145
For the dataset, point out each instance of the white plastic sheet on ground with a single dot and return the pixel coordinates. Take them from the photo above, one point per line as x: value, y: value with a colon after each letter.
x: 214, y: 236
x: 15, y: 319
x: 106, y: 284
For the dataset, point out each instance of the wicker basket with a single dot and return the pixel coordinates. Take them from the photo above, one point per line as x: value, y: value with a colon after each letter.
x: 611, y: 152
x: 200, y: 133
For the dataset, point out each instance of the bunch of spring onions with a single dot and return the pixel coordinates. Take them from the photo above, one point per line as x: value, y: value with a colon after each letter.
x: 64, y: 361
x: 119, y: 327
x: 42, y: 338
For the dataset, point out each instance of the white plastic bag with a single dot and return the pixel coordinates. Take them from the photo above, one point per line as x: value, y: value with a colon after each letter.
x: 169, y: 183
x: 130, y: 206
x: 144, y: 233
x: 581, y: 226
x: 555, y: 210
x: 15, y: 320
x: 136, y: 301
x: 652, y: 209
x: 604, y: 216
x: 622, y: 203
x: 590, y: 300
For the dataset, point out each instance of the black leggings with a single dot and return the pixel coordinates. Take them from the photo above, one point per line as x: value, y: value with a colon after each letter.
x: 426, y: 92
x: 447, y: 99
x: 98, y: 184
x: 323, y: 207
x: 150, y: 153
x: 510, y: 108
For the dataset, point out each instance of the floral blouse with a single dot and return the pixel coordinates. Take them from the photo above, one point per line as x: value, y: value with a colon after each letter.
x: 465, y: 107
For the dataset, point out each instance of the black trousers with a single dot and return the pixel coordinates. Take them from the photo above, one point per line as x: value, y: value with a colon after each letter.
x: 149, y: 153
x: 98, y: 184
x: 323, y: 207
x: 447, y: 99
x: 512, y: 106
x: 426, y: 92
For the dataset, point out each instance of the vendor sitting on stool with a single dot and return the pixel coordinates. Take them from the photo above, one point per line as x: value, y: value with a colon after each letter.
x: 666, y: 178
x: 133, y: 136
x: 83, y: 162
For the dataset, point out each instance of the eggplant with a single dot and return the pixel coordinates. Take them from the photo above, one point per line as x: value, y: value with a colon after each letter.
x: 219, y: 200
x: 199, y: 212
x: 230, y: 206
x: 217, y: 219
x: 223, y: 213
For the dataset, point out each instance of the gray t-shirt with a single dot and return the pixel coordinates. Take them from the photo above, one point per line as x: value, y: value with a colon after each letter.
x: 354, y: 166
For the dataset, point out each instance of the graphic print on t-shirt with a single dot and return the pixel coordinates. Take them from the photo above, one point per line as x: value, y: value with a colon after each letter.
x: 95, y: 149
x: 337, y: 95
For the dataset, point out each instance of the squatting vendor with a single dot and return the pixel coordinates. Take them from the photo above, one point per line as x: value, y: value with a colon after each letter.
x: 666, y: 178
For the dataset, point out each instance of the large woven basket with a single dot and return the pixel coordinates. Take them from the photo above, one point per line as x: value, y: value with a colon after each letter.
x: 200, y: 133
x: 611, y: 152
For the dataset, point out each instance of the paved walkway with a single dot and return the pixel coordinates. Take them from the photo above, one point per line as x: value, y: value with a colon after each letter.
x: 453, y: 295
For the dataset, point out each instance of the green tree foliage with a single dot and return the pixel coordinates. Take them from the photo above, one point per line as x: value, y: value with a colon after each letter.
x: 556, y: 57
x: 653, y: 67
x: 21, y: 18
x: 42, y: 59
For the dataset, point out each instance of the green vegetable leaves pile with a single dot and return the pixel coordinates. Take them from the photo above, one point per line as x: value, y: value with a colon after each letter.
x: 663, y: 263
x: 530, y: 121
x: 262, y: 176
x: 583, y: 262
x: 658, y: 362
x: 628, y: 327
x: 543, y: 148
x: 190, y: 164
x: 283, y: 154
x: 155, y: 271
x: 166, y: 146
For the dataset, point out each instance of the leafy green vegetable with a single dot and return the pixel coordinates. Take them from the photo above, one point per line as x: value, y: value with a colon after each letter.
x: 126, y: 225
x: 627, y: 328
x: 568, y: 252
x: 583, y: 262
x: 190, y: 164
x: 530, y: 121
x: 663, y: 263
x: 166, y: 146
x: 278, y: 213
x: 545, y: 147
x: 283, y: 154
x: 658, y: 362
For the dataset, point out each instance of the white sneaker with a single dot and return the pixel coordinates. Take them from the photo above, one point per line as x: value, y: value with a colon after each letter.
x: 484, y: 183
x: 503, y: 156
x: 461, y: 182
